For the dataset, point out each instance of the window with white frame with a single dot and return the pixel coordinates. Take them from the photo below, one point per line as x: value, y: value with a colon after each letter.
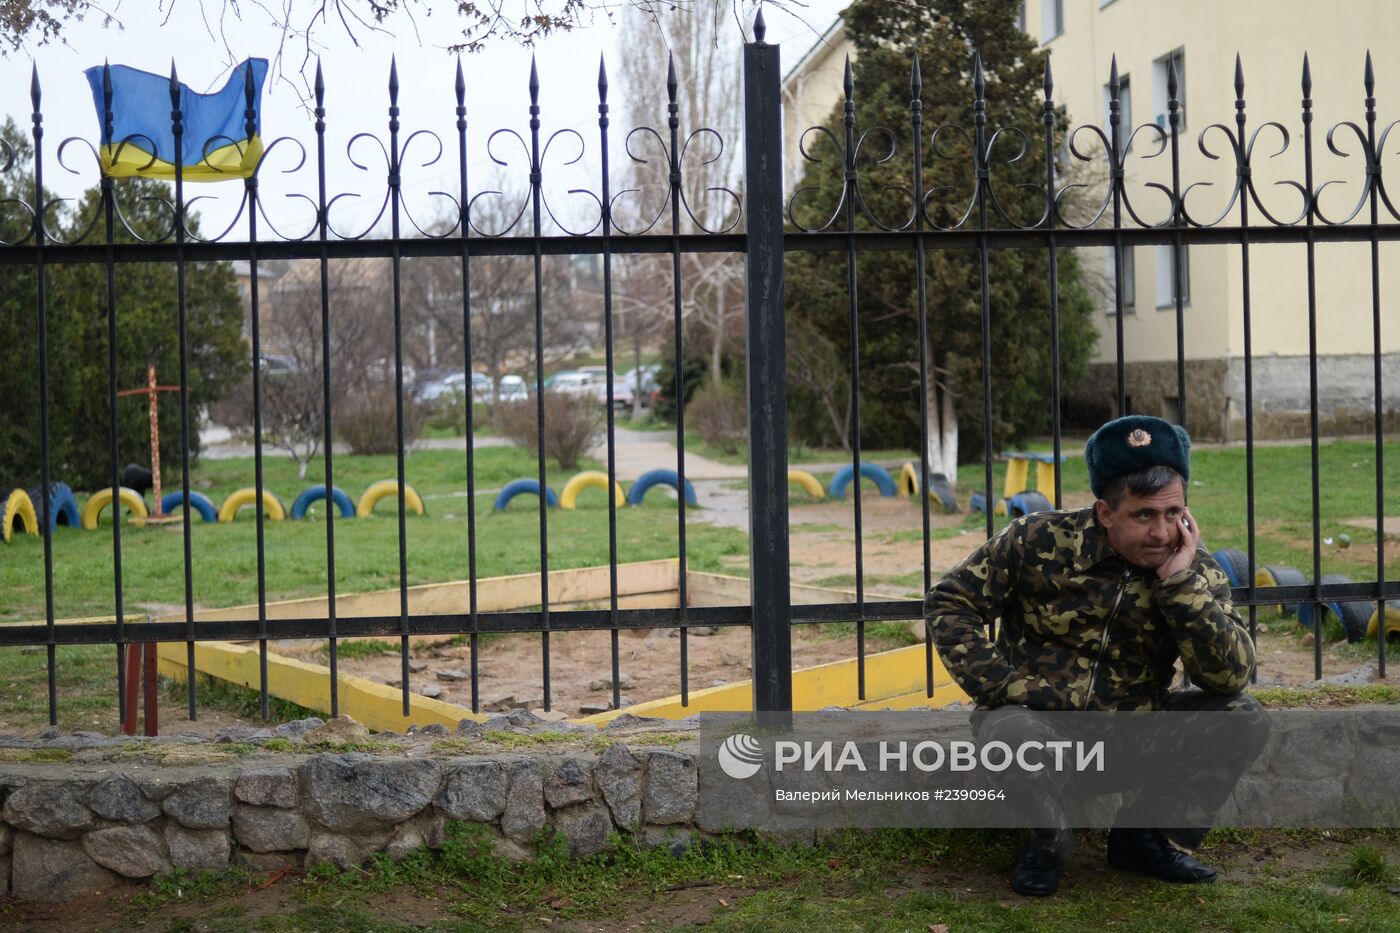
x: 1166, y: 274
x: 1052, y: 19
x: 1177, y: 59
x: 1129, y: 279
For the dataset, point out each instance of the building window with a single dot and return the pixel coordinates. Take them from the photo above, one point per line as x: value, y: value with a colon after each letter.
x: 1166, y: 273
x: 1129, y: 279
x: 1125, y: 109
x: 1021, y: 17
x: 1052, y: 19
x: 1175, y: 59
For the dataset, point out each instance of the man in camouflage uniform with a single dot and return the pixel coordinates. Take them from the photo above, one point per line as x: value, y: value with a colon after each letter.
x: 1095, y: 607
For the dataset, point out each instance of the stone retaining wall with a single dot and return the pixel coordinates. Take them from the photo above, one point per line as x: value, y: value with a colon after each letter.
x: 119, y: 809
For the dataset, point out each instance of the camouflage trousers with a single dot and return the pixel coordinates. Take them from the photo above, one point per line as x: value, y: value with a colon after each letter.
x: 1174, y: 776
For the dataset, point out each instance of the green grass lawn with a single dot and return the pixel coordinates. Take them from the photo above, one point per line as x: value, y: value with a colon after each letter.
x: 224, y: 564
x: 922, y: 880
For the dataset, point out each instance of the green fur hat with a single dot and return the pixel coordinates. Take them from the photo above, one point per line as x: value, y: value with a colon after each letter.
x: 1133, y: 443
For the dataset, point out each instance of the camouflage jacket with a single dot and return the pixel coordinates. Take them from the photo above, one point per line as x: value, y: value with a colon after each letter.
x: 1081, y: 628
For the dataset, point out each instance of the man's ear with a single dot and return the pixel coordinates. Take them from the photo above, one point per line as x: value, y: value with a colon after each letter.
x: 1104, y: 512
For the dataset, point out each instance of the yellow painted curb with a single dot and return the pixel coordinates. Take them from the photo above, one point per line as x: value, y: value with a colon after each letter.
x: 894, y: 679
x: 378, y: 706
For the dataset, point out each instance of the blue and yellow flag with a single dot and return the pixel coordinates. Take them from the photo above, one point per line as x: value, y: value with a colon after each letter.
x: 214, y: 145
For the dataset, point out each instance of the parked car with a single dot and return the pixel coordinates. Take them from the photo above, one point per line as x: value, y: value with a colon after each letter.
x: 511, y: 388
x: 434, y: 389
x: 576, y: 383
x: 622, y: 394
x: 647, y: 377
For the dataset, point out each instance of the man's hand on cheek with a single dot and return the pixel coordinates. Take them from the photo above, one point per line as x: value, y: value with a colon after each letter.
x: 1188, y: 537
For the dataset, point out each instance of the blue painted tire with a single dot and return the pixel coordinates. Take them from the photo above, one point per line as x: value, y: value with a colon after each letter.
x: 65, y: 507
x: 651, y: 478
x: 1235, y: 563
x: 516, y: 487
x: 316, y: 493
x: 979, y: 502
x: 1305, y: 609
x: 1024, y: 503
x: 871, y: 471
x: 172, y: 501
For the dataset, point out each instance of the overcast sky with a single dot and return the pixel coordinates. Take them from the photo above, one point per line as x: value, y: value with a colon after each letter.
x: 356, y: 98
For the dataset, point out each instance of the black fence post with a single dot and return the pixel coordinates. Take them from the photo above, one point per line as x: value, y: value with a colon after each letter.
x: 767, y: 384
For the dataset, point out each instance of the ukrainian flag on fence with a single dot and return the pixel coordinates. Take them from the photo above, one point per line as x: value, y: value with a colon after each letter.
x: 142, y: 141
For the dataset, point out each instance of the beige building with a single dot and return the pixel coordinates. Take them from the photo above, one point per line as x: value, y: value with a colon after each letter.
x: 1201, y: 38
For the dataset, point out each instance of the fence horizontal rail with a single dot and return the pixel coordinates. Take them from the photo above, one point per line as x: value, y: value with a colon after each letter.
x: 1036, y: 238
x: 573, y: 620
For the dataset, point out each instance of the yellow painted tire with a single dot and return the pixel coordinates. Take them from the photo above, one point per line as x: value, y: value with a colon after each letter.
x: 589, y: 479
x: 808, y: 482
x: 909, y: 480
x: 18, y: 508
x: 103, y: 498
x: 388, y: 487
x: 272, y: 506
x: 1392, y: 620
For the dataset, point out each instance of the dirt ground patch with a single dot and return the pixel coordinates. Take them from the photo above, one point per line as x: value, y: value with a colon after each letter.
x: 580, y: 665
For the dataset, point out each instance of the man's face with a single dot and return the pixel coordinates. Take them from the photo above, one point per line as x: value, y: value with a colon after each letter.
x: 1144, y: 530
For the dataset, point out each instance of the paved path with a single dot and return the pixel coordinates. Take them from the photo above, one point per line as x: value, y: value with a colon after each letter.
x: 640, y: 451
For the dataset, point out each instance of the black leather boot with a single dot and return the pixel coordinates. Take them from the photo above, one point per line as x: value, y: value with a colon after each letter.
x: 1148, y: 852
x: 1037, y: 871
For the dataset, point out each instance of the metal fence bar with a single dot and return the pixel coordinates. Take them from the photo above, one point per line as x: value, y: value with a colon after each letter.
x: 980, y: 158
x: 464, y: 204
x: 109, y: 227
x: 1312, y: 366
x: 46, y: 517
x: 250, y: 187
x: 1373, y: 157
x: 673, y: 125
x: 1052, y: 248
x: 1115, y: 117
x: 535, y: 195
x: 1178, y: 248
x: 766, y: 358
x: 848, y: 122
x: 1242, y: 175
x: 396, y: 264
x: 916, y: 125
x: 186, y: 526
x: 327, y: 421
x: 606, y: 220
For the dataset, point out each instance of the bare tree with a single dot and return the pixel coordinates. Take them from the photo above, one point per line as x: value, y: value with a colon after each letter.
x: 502, y: 299
x: 300, y: 25
x: 703, y: 46
x: 293, y: 405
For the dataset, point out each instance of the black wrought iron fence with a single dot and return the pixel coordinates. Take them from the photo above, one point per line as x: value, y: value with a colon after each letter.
x: 1063, y: 218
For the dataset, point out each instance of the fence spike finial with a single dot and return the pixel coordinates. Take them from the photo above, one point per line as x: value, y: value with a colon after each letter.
x: 1370, y: 79
x: 534, y: 81
x: 459, y: 84
x: 393, y: 79
x: 34, y: 86
x: 1114, y: 85
x: 848, y: 81
x: 671, y: 83
x: 1049, y: 81
x: 1307, y: 76
x: 979, y: 79
x: 1239, y: 77
x: 319, y: 85
x: 760, y: 28
x: 916, y: 79
x: 1172, y: 85
x: 174, y: 86
x: 602, y: 79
